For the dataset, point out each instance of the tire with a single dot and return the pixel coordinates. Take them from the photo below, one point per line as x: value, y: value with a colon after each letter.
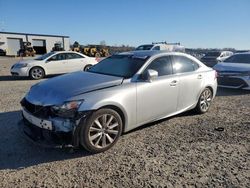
x: 97, y: 55
x: 36, y: 73
x: 204, y: 102
x: 87, y: 67
x: 97, y: 136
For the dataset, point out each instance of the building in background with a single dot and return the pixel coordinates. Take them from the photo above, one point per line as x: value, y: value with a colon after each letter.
x: 12, y: 42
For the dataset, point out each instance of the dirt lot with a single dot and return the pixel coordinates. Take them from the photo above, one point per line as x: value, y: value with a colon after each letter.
x: 183, y: 150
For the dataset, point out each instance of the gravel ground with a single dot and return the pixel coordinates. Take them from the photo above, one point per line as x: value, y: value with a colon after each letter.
x: 185, y: 150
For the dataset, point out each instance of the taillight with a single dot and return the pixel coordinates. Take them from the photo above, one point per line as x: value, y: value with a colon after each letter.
x: 98, y: 59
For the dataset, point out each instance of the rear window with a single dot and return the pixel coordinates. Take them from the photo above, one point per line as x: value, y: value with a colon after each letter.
x: 213, y: 54
x: 239, y: 58
x: 144, y: 47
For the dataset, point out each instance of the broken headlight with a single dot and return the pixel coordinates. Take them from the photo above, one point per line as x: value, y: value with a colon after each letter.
x: 67, y: 110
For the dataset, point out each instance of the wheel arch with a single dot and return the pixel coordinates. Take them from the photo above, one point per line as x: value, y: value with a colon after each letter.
x: 120, y: 112
x: 38, y: 67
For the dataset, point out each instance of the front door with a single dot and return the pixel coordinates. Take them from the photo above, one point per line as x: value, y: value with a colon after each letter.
x: 158, y: 98
x: 56, y: 64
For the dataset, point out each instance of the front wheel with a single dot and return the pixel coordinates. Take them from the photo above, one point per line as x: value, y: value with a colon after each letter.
x: 101, y: 131
x: 204, y: 102
x: 36, y: 73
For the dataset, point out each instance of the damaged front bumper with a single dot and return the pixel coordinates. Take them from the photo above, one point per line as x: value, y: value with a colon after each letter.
x: 53, y: 132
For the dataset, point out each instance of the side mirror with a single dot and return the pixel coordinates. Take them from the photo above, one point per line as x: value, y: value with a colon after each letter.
x: 150, y: 75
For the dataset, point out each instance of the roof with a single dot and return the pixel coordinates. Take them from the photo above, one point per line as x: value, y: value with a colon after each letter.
x: 150, y: 53
x: 13, y: 33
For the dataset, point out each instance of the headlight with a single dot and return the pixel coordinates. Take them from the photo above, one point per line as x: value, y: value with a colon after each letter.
x: 19, y: 65
x: 67, y: 110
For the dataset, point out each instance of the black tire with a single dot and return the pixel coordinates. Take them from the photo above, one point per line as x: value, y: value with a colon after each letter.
x: 87, y: 67
x: 97, y: 55
x: 36, y: 73
x: 204, y: 102
x: 96, y: 139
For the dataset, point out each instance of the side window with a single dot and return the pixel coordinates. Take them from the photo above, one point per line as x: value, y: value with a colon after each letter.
x: 156, y: 48
x: 61, y: 57
x: 243, y: 58
x: 58, y: 57
x: 73, y: 56
x: 182, y: 64
x: 162, y: 65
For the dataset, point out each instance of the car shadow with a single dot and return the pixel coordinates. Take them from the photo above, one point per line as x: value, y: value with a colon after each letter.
x: 13, y: 78
x: 223, y: 92
x: 20, y: 78
x: 147, y: 125
x: 16, y: 152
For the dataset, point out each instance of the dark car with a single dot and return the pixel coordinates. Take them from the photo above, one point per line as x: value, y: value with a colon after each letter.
x: 2, y: 52
x: 213, y: 57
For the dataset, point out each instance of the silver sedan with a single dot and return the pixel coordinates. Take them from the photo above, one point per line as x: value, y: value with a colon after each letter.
x: 122, y: 92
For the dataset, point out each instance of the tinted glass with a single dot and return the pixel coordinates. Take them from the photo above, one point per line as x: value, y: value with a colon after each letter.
x: 119, y: 65
x: 144, y: 47
x: 58, y: 57
x: 213, y: 54
x: 239, y: 58
x: 45, y: 56
x: 183, y: 64
x: 156, y: 48
x: 73, y: 56
x: 162, y: 65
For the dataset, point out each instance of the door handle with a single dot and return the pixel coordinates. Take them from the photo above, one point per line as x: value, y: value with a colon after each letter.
x: 199, y: 76
x: 173, y: 83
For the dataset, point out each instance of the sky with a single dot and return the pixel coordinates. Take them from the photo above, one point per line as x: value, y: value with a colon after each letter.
x: 194, y: 23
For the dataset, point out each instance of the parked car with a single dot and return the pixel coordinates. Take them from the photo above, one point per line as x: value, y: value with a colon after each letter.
x: 212, y: 58
x: 234, y: 72
x: 52, y: 63
x: 122, y: 92
x: 171, y: 47
x: 2, y: 52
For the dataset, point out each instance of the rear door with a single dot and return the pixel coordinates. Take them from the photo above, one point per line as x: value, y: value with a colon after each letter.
x: 158, y: 98
x: 75, y: 62
x: 56, y: 64
x: 190, y: 81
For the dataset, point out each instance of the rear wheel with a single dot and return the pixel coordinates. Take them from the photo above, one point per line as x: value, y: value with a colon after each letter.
x: 36, y: 73
x: 87, y: 67
x: 101, y: 131
x: 204, y: 102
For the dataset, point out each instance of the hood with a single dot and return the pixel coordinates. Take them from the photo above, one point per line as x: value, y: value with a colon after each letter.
x: 232, y: 67
x: 57, y: 90
x: 28, y: 61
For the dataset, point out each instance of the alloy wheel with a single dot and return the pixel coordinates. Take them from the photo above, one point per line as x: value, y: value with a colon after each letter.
x: 37, y: 73
x: 103, y: 131
x: 205, y: 100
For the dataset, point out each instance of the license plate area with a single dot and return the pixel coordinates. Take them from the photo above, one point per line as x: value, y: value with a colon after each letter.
x: 44, y: 124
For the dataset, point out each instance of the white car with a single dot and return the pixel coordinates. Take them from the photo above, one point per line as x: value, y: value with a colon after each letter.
x: 53, y: 63
x: 234, y: 72
x: 213, y: 57
x: 170, y: 47
x: 224, y: 55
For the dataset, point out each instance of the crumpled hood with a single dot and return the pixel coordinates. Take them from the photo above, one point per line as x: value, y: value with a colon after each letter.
x: 57, y: 90
x: 232, y: 67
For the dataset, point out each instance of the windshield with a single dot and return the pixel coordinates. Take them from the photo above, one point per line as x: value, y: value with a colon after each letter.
x: 213, y: 54
x: 119, y: 65
x: 238, y: 58
x: 144, y: 47
x: 43, y: 57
